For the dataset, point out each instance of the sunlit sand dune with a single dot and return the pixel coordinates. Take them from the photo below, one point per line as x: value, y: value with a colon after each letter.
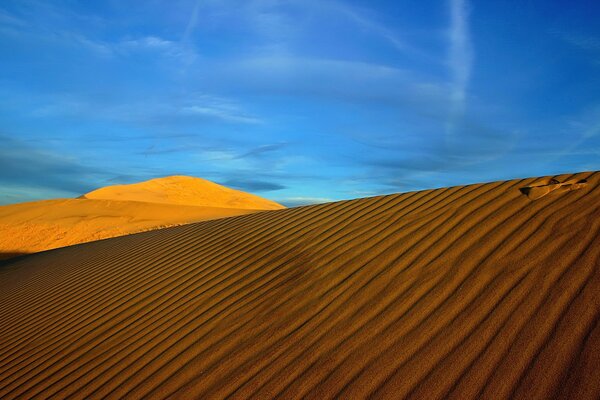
x: 119, y: 210
x: 465, y: 292
x: 184, y: 190
x: 32, y: 227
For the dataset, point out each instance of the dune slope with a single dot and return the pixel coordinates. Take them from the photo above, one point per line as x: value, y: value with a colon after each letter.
x: 466, y: 292
x: 42, y: 225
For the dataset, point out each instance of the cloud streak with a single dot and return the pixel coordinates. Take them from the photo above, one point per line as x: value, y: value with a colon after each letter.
x: 261, y: 150
x: 192, y: 22
x: 460, y: 59
x: 220, y: 112
x: 253, y: 185
x: 585, y: 42
x: 189, y: 107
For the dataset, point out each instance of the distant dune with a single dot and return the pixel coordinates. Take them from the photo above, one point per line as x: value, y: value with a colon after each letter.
x: 184, y: 190
x: 119, y: 210
x: 485, y: 291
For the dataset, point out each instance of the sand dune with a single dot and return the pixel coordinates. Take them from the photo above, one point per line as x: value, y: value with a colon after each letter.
x: 465, y: 292
x: 119, y: 210
x: 43, y: 225
x: 184, y: 190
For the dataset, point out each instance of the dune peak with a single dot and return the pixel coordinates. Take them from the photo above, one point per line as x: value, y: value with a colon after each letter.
x: 183, y: 190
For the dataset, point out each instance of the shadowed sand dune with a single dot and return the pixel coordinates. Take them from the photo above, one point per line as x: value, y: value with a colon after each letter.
x: 465, y: 292
x: 119, y: 210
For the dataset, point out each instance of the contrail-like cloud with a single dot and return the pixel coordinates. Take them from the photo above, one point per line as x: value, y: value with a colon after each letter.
x: 193, y: 21
x: 460, y: 60
x: 186, y: 43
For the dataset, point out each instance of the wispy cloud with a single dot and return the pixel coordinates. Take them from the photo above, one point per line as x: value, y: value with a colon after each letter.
x: 147, y: 42
x: 589, y: 122
x: 217, y: 107
x: 253, y: 185
x: 362, y: 20
x: 589, y: 44
x: 260, y: 150
x: 367, y: 23
x: 11, y: 20
x: 192, y: 22
x: 221, y: 112
x: 189, y: 107
x: 122, y: 47
x: 585, y: 42
x: 332, y: 79
x: 65, y: 29
x: 460, y: 59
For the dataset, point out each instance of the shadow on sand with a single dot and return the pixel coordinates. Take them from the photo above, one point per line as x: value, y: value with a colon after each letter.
x: 7, y: 257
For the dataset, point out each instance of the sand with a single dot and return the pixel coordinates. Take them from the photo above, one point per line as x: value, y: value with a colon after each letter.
x: 466, y: 292
x: 119, y: 210
x: 184, y: 190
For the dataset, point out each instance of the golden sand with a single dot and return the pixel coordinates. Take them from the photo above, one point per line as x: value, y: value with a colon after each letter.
x: 465, y: 292
x: 119, y: 210
x: 184, y: 190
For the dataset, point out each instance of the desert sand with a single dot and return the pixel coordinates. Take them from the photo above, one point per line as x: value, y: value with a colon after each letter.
x: 184, y: 190
x: 467, y: 292
x: 119, y: 210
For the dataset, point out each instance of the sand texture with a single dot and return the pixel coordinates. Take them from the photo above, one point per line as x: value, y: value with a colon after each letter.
x: 467, y: 292
x: 42, y: 225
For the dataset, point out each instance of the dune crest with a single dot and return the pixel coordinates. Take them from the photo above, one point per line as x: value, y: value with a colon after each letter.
x: 183, y: 190
x: 469, y: 292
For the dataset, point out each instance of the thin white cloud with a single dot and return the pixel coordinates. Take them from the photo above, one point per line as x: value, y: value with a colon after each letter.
x: 149, y: 42
x: 339, y: 80
x: 194, y: 106
x: 218, y: 108
x: 588, y: 127
x: 66, y: 36
x: 7, y: 19
x: 161, y: 47
x: 585, y: 42
x: 366, y: 23
x: 96, y: 46
x: 224, y: 114
x: 460, y: 60
x: 192, y: 22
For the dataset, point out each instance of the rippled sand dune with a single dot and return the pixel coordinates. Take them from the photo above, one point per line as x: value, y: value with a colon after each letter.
x: 480, y: 291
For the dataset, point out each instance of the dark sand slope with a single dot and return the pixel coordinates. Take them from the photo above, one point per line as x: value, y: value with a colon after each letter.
x: 464, y: 292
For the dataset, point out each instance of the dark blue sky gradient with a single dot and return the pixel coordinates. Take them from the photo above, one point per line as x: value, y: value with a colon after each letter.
x: 300, y: 101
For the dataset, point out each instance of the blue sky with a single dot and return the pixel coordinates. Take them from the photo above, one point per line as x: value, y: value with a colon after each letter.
x: 300, y: 101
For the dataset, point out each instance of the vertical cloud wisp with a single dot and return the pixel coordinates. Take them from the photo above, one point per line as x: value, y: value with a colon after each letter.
x: 460, y: 60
